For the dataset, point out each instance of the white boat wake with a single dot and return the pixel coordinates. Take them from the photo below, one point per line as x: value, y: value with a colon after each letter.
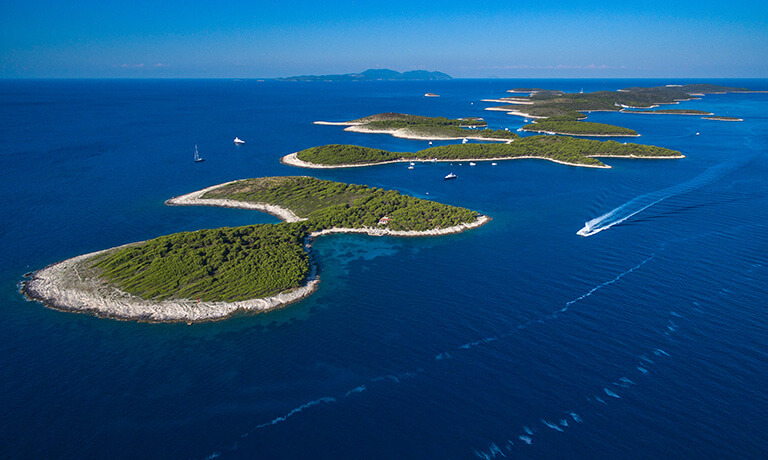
x: 645, y: 201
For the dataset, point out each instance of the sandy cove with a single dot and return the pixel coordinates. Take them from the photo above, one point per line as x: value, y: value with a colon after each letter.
x: 293, y: 160
x: 72, y: 284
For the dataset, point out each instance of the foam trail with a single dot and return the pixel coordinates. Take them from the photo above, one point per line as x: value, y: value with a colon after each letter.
x: 611, y: 393
x: 576, y: 417
x: 645, y: 201
x: 526, y: 439
x: 282, y: 418
x: 359, y: 389
x: 607, y: 283
x: 551, y: 425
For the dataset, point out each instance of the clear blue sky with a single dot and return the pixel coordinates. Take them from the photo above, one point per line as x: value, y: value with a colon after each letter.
x: 258, y: 38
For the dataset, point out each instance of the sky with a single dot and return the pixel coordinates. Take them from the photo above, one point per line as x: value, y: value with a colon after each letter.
x: 466, y: 39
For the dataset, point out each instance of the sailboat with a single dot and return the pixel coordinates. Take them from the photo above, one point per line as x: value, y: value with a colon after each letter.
x: 198, y: 158
x: 238, y: 141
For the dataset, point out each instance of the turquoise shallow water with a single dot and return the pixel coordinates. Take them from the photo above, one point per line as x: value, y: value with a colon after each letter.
x: 521, y: 339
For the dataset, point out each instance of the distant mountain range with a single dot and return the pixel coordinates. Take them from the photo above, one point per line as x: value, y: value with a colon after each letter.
x: 373, y: 74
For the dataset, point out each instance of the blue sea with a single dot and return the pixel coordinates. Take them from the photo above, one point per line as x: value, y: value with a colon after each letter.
x: 520, y: 339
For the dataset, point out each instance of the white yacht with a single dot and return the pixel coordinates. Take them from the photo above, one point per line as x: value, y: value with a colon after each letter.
x: 239, y: 141
x: 450, y: 176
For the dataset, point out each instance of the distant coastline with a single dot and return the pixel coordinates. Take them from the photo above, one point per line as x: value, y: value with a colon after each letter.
x: 373, y: 75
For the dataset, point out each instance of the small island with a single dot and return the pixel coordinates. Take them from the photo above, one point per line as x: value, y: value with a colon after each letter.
x: 723, y: 118
x: 559, y: 149
x: 407, y: 126
x: 213, y: 273
x: 668, y: 112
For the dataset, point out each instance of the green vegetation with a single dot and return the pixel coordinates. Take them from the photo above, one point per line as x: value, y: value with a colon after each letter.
x: 569, y: 150
x: 436, y: 127
x: 347, y: 154
x: 231, y: 264
x: 724, y: 118
x: 393, y: 120
x: 221, y: 264
x: 549, y: 104
x: 671, y: 111
x: 328, y: 204
x: 566, y: 125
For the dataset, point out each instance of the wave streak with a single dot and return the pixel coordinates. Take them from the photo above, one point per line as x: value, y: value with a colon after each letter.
x: 645, y: 201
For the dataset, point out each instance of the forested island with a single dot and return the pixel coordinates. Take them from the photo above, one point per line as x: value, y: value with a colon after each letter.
x: 569, y: 126
x: 570, y: 107
x: 213, y: 273
x: 560, y: 149
x: 723, y: 118
x: 419, y: 127
x: 373, y: 75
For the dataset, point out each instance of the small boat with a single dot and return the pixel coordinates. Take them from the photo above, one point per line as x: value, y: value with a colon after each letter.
x: 410, y: 167
x: 697, y: 134
x: 433, y: 160
x: 464, y: 141
x: 430, y: 142
x: 450, y: 176
x: 412, y: 163
x: 239, y: 141
x: 472, y: 163
x: 493, y: 164
x: 198, y: 158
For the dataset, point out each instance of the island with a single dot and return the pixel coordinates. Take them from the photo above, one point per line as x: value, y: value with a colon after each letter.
x: 428, y: 128
x: 560, y: 149
x: 668, y: 112
x: 571, y: 127
x: 723, y: 118
x: 568, y: 108
x: 212, y: 274
x: 373, y: 75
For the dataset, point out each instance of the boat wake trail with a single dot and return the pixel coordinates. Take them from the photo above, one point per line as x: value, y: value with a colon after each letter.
x: 519, y: 442
x: 550, y: 316
x: 643, y: 202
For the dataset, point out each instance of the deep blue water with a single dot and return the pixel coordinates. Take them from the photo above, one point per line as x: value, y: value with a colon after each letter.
x: 646, y: 340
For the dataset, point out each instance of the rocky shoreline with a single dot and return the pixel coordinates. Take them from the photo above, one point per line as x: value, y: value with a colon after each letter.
x: 74, y: 285
x: 293, y: 160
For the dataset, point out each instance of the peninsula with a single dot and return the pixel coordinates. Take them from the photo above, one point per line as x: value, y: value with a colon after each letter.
x: 428, y: 128
x: 213, y: 273
x: 373, y: 75
x: 567, y: 109
x: 560, y: 149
